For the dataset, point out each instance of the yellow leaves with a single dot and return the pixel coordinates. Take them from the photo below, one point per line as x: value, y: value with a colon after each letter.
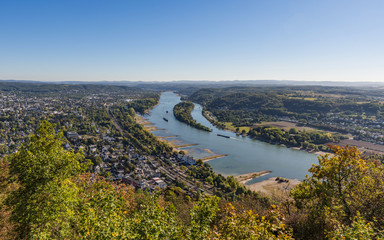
x: 340, y: 186
x: 249, y: 225
x: 345, y: 166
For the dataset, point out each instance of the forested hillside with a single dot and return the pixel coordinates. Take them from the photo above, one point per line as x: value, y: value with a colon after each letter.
x: 355, y: 111
x: 46, y: 193
x: 296, y: 102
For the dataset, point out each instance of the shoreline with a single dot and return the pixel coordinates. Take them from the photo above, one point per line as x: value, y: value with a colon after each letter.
x: 273, y: 185
x: 151, y: 128
x: 244, y: 178
x: 317, y: 152
x: 267, y: 186
x: 206, y: 159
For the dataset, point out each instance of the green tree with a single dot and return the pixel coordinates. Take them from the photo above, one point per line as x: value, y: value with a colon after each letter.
x: 6, y: 187
x: 103, y: 210
x: 203, y: 215
x: 293, y: 131
x: 358, y: 230
x: 341, y: 186
x: 249, y: 225
x: 153, y: 221
x: 43, y: 206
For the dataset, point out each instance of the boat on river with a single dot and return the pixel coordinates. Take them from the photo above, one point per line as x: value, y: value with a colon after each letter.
x: 221, y: 135
x: 244, y: 155
x: 165, y: 119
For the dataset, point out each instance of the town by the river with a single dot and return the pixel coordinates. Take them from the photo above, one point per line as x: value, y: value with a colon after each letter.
x: 241, y: 155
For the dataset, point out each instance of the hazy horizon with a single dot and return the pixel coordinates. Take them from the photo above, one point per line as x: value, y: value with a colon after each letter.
x: 192, y: 40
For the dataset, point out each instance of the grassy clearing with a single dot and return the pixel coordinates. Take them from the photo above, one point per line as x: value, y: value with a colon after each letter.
x: 305, y: 98
x: 229, y: 125
x: 285, y: 125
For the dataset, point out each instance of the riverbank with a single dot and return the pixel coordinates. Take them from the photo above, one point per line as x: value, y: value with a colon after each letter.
x: 267, y: 187
x: 317, y: 152
x: 244, y: 178
x: 244, y: 155
x: 151, y: 127
x: 273, y: 185
x: 206, y: 159
x: 141, y: 120
x: 223, y: 126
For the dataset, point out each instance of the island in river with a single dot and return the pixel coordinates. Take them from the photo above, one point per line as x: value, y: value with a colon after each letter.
x: 182, y: 112
x: 241, y: 155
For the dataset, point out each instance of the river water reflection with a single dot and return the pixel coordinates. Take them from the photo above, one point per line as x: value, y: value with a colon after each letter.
x: 244, y: 155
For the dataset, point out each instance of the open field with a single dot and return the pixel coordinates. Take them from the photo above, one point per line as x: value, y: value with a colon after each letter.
x: 229, y: 126
x: 284, y: 125
x: 363, y: 146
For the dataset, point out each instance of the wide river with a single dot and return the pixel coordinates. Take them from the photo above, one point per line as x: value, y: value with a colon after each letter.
x: 244, y: 155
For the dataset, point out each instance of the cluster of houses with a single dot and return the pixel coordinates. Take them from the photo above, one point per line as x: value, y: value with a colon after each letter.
x: 117, y: 159
x: 365, y: 129
x: 20, y: 115
x: 112, y: 157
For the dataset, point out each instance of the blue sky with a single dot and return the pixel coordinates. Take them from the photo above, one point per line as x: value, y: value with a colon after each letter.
x: 161, y: 40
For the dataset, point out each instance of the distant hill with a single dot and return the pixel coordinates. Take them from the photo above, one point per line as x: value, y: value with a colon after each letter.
x: 222, y: 83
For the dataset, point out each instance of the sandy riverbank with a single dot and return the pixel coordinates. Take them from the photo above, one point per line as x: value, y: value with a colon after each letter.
x: 206, y: 159
x: 268, y: 187
x: 272, y: 186
x: 169, y: 139
x: 244, y: 178
x: 141, y: 120
x: 208, y: 151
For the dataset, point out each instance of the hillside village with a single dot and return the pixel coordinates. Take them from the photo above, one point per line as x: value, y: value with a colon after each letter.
x: 88, y: 128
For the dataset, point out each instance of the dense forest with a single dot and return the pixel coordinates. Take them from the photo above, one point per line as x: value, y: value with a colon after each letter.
x: 301, y: 103
x: 305, y: 139
x: 182, y: 112
x: 355, y: 111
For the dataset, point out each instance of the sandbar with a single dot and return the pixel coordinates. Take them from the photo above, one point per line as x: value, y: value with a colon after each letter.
x: 244, y: 178
x: 272, y: 186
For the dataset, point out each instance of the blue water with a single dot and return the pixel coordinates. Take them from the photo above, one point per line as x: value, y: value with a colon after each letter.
x: 244, y: 155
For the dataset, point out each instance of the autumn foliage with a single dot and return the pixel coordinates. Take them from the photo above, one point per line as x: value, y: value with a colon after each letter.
x: 341, y: 187
x: 46, y: 193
